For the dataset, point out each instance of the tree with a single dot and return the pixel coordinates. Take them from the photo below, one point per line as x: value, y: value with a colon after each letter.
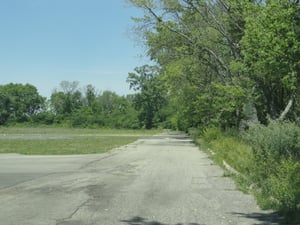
x: 196, y: 44
x: 4, y: 106
x: 19, y: 102
x: 66, y: 100
x: 245, y: 53
x: 271, y: 55
x: 90, y: 96
x: 151, y: 96
x: 108, y: 102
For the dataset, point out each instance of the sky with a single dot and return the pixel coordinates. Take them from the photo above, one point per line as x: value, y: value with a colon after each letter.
x: 44, y: 42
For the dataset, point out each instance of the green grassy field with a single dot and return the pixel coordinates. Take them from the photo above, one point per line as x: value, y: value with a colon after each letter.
x: 65, y: 141
x: 79, y: 131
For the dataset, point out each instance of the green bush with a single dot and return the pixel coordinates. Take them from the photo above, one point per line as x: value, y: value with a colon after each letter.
x: 276, y: 167
x: 212, y: 133
x: 284, y: 185
x: 267, y: 158
x: 277, y: 140
x: 281, y: 191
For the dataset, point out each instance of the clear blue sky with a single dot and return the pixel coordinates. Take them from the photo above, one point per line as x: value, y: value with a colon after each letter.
x: 43, y: 42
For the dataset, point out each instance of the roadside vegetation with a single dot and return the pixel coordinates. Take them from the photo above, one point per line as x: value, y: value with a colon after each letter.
x: 264, y: 161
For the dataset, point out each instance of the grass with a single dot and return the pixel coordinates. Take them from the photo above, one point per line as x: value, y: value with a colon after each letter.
x: 227, y: 147
x: 64, y: 146
x: 79, y: 131
x: 65, y: 141
x: 231, y: 149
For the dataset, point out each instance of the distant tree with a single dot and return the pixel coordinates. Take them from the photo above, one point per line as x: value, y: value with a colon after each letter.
x: 125, y: 115
x: 90, y: 96
x: 67, y: 99
x: 4, y: 106
x: 19, y: 102
x: 108, y: 102
x: 150, y: 98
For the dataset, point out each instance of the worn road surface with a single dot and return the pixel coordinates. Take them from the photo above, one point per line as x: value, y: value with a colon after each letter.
x: 161, y: 180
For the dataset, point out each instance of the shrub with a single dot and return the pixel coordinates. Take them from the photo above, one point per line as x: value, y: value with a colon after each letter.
x: 275, y: 169
x: 212, y: 133
x: 283, y: 186
x: 278, y: 139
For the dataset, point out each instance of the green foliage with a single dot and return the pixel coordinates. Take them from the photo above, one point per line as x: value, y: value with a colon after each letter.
x: 195, y: 44
x: 229, y: 147
x: 232, y: 51
x: 151, y: 98
x: 276, y: 141
x: 75, y: 108
x: 69, y: 106
x: 271, y: 53
x: 284, y: 187
x: 211, y: 134
x: 281, y: 192
x: 231, y: 113
x: 45, y: 117
x: 267, y: 158
x: 67, y: 99
x: 4, y: 107
x: 275, y: 168
x: 19, y: 102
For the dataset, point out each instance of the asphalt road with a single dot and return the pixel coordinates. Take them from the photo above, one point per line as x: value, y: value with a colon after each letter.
x: 163, y: 180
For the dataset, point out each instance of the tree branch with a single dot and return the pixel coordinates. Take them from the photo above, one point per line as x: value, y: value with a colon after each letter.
x: 287, y: 109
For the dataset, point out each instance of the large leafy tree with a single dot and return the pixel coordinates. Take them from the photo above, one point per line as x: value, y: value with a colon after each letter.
x: 196, y: 43
x: 18, y: 102
x: 151, y: 96
x: 242, y: 53
x: 271, y: 55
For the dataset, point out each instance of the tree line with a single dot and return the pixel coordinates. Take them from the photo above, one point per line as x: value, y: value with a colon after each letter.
x: 71, y: 105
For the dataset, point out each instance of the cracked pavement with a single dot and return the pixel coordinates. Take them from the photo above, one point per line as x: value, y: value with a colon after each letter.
x: 162, y: 180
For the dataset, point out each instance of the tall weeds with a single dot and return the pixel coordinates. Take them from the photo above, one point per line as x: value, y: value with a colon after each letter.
x: 275, y: 171
x: 268, y: 159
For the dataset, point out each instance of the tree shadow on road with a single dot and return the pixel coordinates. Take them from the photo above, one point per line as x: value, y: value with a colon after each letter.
x: 262, y: 218
x: 142, y: 221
